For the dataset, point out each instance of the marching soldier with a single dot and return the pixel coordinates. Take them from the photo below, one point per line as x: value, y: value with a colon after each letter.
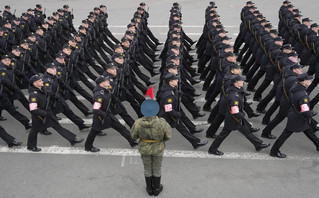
x: 103, y: 118
x: 300, y: 116
x: 235, y: 117
x: 59, y: 105
x: 171, y: 111
x: 42, y: 115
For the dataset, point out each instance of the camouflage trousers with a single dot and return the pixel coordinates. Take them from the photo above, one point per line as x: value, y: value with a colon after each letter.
x: 152, y: 165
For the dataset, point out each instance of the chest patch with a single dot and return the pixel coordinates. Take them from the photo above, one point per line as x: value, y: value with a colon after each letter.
x: 236, y: 103
x: 99, y: 99
x: 169, y: 100
x: 33, y: 99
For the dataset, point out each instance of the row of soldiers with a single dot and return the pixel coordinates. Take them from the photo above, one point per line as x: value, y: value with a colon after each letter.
x: 214, y: 48
x: 71, y: 64
x: 264, y: 50
x: 177, y: 78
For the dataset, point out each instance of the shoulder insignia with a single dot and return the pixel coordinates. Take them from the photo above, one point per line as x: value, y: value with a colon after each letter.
x: 66, y: 17
x: 110, y: 86
x: 35, y: 92
x: 3, y: 73
x: 22, y: 25
x: 60, y: 20
x: 21, y: 55
x: 6, y: 34
x: 12, y: 63
x: 306, y: 100
x: 99, y: 99
x: 59, y: 73
x: 76, y: 47
x: 38, y: 15
x: 29, y: 48
x: 33, y: 99
x: 236, y: 102
x: 169, y: 100
x: 13, y: 30
x: 47, y: 84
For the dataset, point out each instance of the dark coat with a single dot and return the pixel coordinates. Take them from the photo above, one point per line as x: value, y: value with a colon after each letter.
x: 101, y: 109
x: 300, y: 114
x: 169, y: 104
x: 235, y: 104
x: 42, y: 118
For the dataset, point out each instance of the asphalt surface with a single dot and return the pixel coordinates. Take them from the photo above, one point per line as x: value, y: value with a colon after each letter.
x: 117, y: 171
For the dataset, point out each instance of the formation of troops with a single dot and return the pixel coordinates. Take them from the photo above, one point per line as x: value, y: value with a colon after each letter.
x: 48, y: 57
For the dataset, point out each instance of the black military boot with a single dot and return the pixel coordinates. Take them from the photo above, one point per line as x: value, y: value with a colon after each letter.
x: 149, y: 189
x: 158, y: 187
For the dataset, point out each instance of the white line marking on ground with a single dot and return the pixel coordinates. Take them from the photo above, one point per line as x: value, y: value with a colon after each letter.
x: 123, y: 161
x: 167, y: 153
x: 89, y: 121
x: 166, y: 26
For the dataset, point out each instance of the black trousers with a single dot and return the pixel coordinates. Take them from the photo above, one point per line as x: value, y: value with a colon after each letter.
x: 242, y: 129
x: 265, y: 101
x: 78, y: 104
x: 5, y: 136
x: 253, y: 82
x: 77, y: 87
x: 252, y: 71
x: 262, y: 88
x: 8, y: 106
x: 271, y: 110
x: 70, y: 114
x: 109, y: 34
x: 209, y: 78
x: 33, y: 135
x: 115, y: 124
x: 282, y: 114
x: 183, y: 130
x: 287, y: 133
x: 85, y: 81
x: 314, y: 101
x: 97, y: 68
x: 213, y: 128
x: 189, y: 105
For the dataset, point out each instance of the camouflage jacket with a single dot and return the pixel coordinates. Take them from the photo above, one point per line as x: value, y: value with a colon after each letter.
x: 154, y: 129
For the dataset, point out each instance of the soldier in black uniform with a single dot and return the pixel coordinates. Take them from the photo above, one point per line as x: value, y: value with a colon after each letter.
x: 39, y: 15
x: 69, y: 17
x: 171, y: 111
x: 289, y: 79
x: 299, y: 117
x: 103, y: 117
x: 7, y: 15
x: 59, y: 105
x: 235, y: 117
x: 42, y: 115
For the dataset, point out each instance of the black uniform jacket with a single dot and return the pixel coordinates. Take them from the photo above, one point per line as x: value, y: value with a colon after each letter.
x: 169, y: 109
x: 101, y: 109
x: 300, y: 114
x: 41, y: 118
x: 235, y: 104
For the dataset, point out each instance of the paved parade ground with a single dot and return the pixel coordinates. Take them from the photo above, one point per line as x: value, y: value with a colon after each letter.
x: 60, y: 170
